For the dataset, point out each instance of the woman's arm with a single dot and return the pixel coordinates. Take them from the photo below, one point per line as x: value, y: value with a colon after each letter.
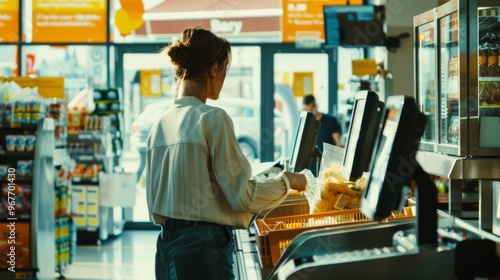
x: 233, y: 172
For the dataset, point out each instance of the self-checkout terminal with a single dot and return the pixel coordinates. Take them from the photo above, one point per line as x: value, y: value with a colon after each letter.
x: 408, y: 249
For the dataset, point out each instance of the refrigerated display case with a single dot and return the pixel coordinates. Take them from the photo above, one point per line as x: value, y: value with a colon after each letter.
x: 463, y: 102
x: 425, y: 87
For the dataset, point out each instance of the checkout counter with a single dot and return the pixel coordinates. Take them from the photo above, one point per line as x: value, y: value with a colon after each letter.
x: 434, y: 245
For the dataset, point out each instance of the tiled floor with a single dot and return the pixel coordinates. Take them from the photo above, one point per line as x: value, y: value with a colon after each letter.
x: 129, y: 256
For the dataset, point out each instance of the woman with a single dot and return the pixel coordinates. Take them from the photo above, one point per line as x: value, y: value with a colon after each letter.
x: 198, y: 181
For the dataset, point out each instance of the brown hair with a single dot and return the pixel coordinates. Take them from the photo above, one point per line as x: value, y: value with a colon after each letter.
x: 196, y: 51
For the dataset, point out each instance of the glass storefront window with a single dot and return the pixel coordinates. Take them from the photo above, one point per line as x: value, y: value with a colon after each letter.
x: 79, y: 65
x: 8, y: 64
x: 296, y: 75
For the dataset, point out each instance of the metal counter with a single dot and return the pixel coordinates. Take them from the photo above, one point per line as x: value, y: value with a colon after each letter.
x: 458, y: 169
x: 316, y: 251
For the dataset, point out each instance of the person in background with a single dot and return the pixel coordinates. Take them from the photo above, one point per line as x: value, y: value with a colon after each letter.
x: 329, y: 131
x: 198, y: 181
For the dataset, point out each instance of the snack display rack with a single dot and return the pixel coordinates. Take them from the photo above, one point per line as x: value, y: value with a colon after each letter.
x: 19, y: 192
x: 95, y: 143
x: 108, y: 103
x: 28, y: 200
x: 88, y: 149
x: 26, y: 113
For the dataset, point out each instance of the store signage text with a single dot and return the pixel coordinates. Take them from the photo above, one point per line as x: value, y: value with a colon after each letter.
x: 73, y: 21
x: 228, y: 26
x: 306, y: 16
x: 9, y: 21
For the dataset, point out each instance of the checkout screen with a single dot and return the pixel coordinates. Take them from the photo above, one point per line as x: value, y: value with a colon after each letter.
x: 354, y: 133
x: 384, y: 152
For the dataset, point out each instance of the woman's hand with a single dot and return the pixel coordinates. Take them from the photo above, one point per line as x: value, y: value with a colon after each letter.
x: 297, y: 181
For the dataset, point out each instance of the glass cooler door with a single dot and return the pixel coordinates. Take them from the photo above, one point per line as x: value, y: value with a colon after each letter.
x: 425, y: 61
x: 488, y: 67
x: 450, y: 124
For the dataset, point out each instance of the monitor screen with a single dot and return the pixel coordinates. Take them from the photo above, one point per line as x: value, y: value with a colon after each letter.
x: 355, y: 26
x: 393, y: 161
x: 304, y: 145
x: 363, y: 129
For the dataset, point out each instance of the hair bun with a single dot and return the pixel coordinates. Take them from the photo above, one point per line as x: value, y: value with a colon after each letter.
x: 179, y: 54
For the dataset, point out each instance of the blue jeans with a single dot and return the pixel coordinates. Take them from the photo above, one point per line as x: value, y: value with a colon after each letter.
x: 194, y: 251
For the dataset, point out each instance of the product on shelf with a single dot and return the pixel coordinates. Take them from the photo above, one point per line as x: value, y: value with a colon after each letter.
x: 22, y: 248
x: 30, y: 142
x: 3, y: 171
x: 76, y: 119
x: 10, y: 143
x: 20, y: 106
x: 21, y: 193
x: 55, y: 111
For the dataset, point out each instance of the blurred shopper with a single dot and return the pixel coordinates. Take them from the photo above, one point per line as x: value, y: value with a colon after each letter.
x: 197, y: 179
x: 329, y: 131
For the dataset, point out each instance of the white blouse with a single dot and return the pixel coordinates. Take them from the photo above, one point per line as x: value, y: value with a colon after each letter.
x: 195, y: 169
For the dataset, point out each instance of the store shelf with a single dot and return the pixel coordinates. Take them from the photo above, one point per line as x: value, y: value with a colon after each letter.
x: 87, y: 158
x: 20, y: 129
x: 17, y: 181
x: 106, y: 101
x: 86, y: 135
x: 489, y: 106
x: 21, y: 273
x: 489, y: 79
x: 105, y: 113
x: 17, y: 154
x: 23, y: 218
x: 85, y: 181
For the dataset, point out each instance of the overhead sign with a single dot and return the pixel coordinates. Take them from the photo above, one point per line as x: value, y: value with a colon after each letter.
x: 82, y: 21
x: 9, y: 21
x: 256, y: 20
x: 306, y: 17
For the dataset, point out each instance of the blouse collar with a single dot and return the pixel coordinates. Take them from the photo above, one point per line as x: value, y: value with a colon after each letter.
x: 187, y: 100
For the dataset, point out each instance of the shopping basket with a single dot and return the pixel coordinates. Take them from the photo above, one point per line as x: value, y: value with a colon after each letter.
x: 273, y: 235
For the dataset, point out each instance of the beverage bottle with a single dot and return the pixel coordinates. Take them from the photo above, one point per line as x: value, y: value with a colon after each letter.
x: 498, y: 52
x: 482, y: 59
x: 495, y: 95
x: 483, y: 71
x: 484, y: 94
x: 493, y: 56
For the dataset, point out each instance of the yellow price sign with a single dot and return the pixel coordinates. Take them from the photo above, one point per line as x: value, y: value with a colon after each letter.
x: 150, y: 82
x: 364, y: 67
x: 303, y: 83
x: 50, y: 87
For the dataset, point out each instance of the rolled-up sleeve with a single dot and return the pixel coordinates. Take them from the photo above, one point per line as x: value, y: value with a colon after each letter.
x: 232, y: 171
